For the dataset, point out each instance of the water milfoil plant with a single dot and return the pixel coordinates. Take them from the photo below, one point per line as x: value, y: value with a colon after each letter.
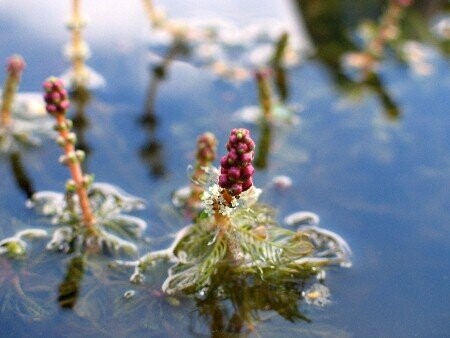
x: 21, y: 125
x: 88, y: 215
x: 235, y: 236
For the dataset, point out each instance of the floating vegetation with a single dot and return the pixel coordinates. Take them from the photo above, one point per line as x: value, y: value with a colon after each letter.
x: 88, y: 215
x: 235, y: 248
x: 15, y: 246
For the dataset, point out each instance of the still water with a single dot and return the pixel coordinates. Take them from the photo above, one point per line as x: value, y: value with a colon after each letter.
x: 371, y: 158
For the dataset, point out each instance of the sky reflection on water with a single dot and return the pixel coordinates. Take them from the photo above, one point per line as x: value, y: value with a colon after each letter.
x: 382, y: 185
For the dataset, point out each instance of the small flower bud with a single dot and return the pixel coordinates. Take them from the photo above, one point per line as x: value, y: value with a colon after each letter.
x: 15, y: 65
x: 61, y: 141
x: 70, y: 185
x: 234, y: 174
x: 55, y: 96
x: 87, y: 180
x: 72, y: 138
x: 247, y: 171
x: 223, y: 181
x: 247, y: 184
x: 63, y: 159
x: 235, y: 189
x: 80, y: 155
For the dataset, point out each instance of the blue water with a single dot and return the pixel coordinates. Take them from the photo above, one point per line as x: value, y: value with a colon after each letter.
x: 382, y: 185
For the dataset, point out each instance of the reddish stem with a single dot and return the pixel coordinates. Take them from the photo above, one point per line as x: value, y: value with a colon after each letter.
x: 77, y: 175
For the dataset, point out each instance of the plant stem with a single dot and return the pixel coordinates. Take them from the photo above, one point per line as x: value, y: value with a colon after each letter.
x: 76, y: 173
x: 9, y: 93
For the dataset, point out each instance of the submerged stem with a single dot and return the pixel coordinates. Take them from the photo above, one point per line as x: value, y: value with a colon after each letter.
x: 78, y: 49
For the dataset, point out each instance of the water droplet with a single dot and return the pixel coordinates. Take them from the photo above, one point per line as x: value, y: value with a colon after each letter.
x: 317, y: 294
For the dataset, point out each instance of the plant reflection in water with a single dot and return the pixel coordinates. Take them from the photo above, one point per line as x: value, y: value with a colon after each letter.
x: 152, y: 151
x: 26, y: 284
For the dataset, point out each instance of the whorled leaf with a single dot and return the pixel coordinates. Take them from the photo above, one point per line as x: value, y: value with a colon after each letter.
x: 29, y: 125
x: 15, y: 246
x: 106, y: 198
x: 124, y: 225
x: 107, y: 203
x: 251, y: 243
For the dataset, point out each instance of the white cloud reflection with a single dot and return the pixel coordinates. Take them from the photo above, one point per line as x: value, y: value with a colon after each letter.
x: 115, y: 20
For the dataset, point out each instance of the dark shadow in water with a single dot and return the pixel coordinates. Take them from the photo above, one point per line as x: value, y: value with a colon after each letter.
x: 21, y: 177
x: 152, y: 152
x: 81, y: 97
x: 390, y: 108
x: 279, y: 70
x: 237, y: 304
x: 69, y: 289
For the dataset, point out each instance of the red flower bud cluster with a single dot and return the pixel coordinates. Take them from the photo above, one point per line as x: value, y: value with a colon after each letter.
x: 15, y: 65
x: 56, y: 96
x: 206, y: 149
x: 236, y: 167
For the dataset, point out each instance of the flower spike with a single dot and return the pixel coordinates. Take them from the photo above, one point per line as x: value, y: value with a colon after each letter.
x: 236, y: 167
x: 57, y: 101
x: 205, y: 156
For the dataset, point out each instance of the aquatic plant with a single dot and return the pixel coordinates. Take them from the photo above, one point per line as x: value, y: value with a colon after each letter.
x: 14, y: 67
x: 377, y: 38
x: 77, y: 51
x: 236, y: 236
x: 22, y: 122
x: 15, y: 246
x: 88, y: 215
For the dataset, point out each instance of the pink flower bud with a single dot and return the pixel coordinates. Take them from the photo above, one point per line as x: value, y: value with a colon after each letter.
x: 223, y: 181
x: 15, y: 65
x: 234, y: 174
x: 247, y: 184
x: 247, y: 158
x: 247, y: 172
x: 235, y: 189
